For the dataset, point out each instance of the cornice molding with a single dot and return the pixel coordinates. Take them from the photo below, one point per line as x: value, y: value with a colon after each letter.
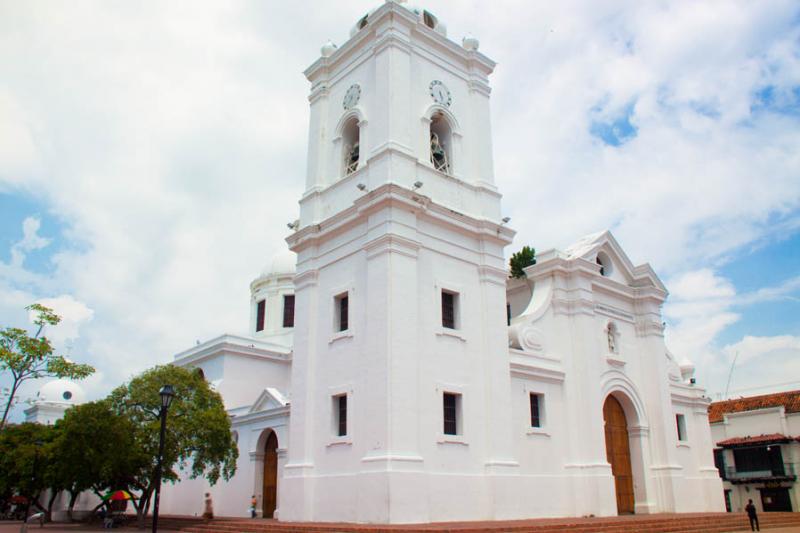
x: 390, y: 243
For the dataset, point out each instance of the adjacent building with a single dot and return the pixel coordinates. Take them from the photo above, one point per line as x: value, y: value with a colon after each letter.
x: 757, y: 450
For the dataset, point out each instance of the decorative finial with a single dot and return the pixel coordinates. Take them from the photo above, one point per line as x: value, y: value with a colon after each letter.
x: 470, y: 42
x: 328, y: 49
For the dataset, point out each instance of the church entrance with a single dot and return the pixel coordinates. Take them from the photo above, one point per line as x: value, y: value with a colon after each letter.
x: 618, y: 453
x: 270, y: 492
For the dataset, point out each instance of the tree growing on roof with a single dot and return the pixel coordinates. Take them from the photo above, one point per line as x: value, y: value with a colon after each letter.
x: 519, y: 260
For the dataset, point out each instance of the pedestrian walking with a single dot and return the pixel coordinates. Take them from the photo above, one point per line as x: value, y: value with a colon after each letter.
x: 253, y: 503
x: 751, y: 514
x: 208, y: 511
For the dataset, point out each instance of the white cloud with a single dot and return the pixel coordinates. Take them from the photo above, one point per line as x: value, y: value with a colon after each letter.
x: 751, y: 347
x: 73, y: 315
x: 170, y: 138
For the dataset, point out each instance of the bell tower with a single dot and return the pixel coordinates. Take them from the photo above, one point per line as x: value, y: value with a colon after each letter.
x: 401, y: 409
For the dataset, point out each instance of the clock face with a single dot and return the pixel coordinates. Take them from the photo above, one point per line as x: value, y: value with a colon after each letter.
x: 352, y: 96
x: 440, y: 93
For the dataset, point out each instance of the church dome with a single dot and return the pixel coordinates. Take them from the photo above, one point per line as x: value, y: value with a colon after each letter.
x: 61, y: 391
x: 283, y: 262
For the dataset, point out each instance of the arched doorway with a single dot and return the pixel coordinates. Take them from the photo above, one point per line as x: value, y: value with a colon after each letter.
x: 270, y: 492
x: 618, y: 453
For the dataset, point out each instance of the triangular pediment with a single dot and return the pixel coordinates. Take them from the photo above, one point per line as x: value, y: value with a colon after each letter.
x: 605, y: 247
x: 270, y: 398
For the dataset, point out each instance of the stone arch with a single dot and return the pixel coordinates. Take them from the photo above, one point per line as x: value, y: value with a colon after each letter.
x: 266, y: 468
x: 617, y: 385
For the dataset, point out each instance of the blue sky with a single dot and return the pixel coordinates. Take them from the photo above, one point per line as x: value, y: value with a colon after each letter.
x: 156, y: 175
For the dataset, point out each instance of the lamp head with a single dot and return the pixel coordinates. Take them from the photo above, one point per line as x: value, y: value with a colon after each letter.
x: 167, y: 392
x: 361, y: 187
x: 506, y: 220
x: 418, y: 184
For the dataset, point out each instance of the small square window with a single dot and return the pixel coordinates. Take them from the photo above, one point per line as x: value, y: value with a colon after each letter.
x: 452, y: 413
x: 680, y: 421
x: 341, y: 312
x: 288, y: 311
x: 450, y: 309
x: 261, y: 311
x: 537, y: 412
x: 340, y: 415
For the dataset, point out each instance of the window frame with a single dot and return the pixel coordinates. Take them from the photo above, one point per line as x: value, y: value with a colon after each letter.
x: 334, y: 393
x: 459, y: 303
x: 287, y: 298
x: 261, y: 315
x: 537, y: 419
x: 341, y: 302
x: 462, y: 427
x: 680, y: 428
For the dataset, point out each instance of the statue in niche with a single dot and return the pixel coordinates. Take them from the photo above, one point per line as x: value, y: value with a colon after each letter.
x: 612, y: 338
x: 439, y: 155
x: 351, y: 159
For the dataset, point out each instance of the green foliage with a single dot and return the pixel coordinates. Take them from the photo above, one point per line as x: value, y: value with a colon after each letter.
x: 198, y: 428
x: 31, y: 357
x: 524, y: 258
x: 94, y: 449
x: 25, y: 459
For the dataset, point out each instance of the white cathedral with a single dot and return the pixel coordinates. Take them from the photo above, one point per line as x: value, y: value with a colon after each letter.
x: 394, y: 373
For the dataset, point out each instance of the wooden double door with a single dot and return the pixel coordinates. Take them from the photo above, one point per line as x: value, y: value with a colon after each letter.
x: 618, y: 454
x: 270, y: 488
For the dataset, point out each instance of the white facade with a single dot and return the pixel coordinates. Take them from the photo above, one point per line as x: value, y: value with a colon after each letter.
x: 757, y: 443
x: 411, y: 397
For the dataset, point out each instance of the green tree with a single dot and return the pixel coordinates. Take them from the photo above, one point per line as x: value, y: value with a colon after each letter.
x: 524, y: 258
x: 94, y: 449
x: 26, y: 357
x: 25, y: 459
x: 198, y: 429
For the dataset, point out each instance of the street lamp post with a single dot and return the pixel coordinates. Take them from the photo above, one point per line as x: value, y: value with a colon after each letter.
x: 166, y: 393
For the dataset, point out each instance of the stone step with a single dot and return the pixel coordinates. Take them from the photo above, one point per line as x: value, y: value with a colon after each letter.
x: 705, y: 523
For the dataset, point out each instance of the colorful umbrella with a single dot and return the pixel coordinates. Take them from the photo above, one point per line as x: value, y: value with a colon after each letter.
x: 118, y: 495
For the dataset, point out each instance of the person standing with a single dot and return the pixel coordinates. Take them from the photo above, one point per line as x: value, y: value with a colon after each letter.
x: 208, y: 511
x: 253, y: 503
x: 751, y: 514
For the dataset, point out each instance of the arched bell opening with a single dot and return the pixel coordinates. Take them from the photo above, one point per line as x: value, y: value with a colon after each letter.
x: 441, y: 135
x: 351, y: 143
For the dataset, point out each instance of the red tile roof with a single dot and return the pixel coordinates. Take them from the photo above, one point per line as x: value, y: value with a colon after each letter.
x: 789, y: 400
x: 772, y: 438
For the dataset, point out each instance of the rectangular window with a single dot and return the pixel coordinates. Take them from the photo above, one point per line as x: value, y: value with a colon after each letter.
x: 536, y: 406
x: 341, y: 322
x: 449, y: 310
x: 680, y: 420
x: 508, y: 314
x: 261, y: 309
x: 340, y: 415
x: 288, y: 311
x: 452, y: 413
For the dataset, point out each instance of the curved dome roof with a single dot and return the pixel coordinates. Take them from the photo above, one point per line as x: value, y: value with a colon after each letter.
x: 283, y: 262
x: 61, y: 391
